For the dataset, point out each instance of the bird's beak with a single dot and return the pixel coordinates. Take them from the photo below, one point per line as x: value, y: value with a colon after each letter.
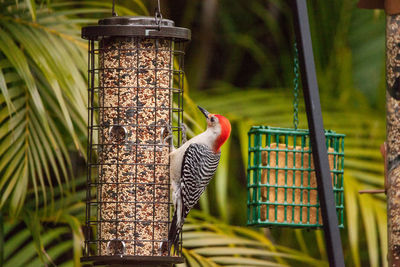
x: 205, y: 112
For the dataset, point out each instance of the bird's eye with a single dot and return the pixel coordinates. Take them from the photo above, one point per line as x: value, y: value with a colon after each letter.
x: 212, y: 119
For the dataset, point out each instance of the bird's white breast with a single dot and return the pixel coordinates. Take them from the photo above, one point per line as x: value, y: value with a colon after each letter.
x: 176, y: 157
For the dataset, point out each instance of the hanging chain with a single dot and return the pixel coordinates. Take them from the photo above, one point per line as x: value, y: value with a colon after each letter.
x: 296, y: 88
x: 158, y: 15
x: 113, y: 9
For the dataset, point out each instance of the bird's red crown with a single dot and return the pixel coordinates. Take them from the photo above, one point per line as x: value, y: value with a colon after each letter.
x: 225, y: 132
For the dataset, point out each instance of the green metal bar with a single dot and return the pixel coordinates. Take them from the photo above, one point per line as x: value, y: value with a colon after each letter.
x: 286, y: 178
x: 341, y: 180
x: 276, y: 175
x: 268, y: 137
x: 294, y: 174
x: 249, y: 217
x: 290, y: 225
x: 278, y: 130
x: 257, y: 180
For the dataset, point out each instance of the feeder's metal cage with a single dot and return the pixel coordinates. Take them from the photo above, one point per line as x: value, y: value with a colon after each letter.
x: 135, y: 85
x: 281, y: 181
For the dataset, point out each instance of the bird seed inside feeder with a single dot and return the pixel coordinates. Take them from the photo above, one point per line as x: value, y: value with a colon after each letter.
x: 134, y: 105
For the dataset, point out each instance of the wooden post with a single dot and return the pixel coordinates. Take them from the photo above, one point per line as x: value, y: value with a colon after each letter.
x: 393, y: 137
x: 391, y: 150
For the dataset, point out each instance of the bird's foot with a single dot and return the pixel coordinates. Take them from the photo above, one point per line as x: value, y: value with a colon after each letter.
x: 164, y: 248
x: 167, y: 136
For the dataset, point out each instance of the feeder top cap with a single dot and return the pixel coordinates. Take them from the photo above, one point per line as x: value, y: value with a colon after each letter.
x: 136, y: 20
x: 135, y: 26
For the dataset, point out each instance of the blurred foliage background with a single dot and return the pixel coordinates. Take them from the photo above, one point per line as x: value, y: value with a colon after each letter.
x: 238, y: 64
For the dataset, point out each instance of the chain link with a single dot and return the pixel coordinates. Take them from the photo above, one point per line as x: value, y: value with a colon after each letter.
x: 113, y: 9
x: 157, y: 15
x: 296, y: 88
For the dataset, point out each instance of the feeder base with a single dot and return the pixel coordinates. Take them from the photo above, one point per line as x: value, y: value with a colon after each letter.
x: 132, y: 260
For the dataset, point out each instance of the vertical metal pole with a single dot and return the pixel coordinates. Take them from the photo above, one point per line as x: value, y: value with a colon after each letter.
x: 317, y: 134
x: 393, y: 137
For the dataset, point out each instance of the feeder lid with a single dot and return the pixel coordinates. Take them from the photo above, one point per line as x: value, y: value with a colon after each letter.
x: 137, y: 26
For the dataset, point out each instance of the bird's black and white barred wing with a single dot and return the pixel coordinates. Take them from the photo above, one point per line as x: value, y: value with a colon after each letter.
x: 198, y: 168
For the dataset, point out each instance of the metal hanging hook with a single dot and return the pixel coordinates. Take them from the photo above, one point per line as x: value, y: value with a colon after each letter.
x: 158, y: 15
x: 113, y: 9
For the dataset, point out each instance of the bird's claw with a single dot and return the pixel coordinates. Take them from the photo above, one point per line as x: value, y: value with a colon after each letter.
x: 166, y: 135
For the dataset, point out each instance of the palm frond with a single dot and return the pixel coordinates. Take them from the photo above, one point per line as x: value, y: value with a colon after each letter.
x: 43, y: 82
x: 209, y: 242
x: 363, y: 163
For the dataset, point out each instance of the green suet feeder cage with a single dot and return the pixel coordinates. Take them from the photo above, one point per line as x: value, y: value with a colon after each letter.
x: 281, y: 179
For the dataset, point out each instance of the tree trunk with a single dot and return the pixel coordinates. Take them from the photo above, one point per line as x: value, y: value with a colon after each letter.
x: 393, y: 137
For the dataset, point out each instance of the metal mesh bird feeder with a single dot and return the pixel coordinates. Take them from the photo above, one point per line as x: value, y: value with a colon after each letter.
x: 281, y: 178
x: 281, y: 181
x: 135, y: 94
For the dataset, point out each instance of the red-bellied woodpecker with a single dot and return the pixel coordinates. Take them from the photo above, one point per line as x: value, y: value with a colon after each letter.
x: 192, y: 166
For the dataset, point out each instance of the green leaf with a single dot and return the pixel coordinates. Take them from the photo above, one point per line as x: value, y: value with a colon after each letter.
x: 5, y: 91
x: 244, y: 261
x: 32, y: 221
x: 77, y: 237
x: 370, y: 227
x: 19, y: 61
x: 32, y: 8
x: 221, y: 181
x: 352, y: 221
x: 28, y: 252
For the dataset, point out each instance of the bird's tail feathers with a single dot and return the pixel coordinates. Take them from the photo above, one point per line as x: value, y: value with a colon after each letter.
x: 173, y: 237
